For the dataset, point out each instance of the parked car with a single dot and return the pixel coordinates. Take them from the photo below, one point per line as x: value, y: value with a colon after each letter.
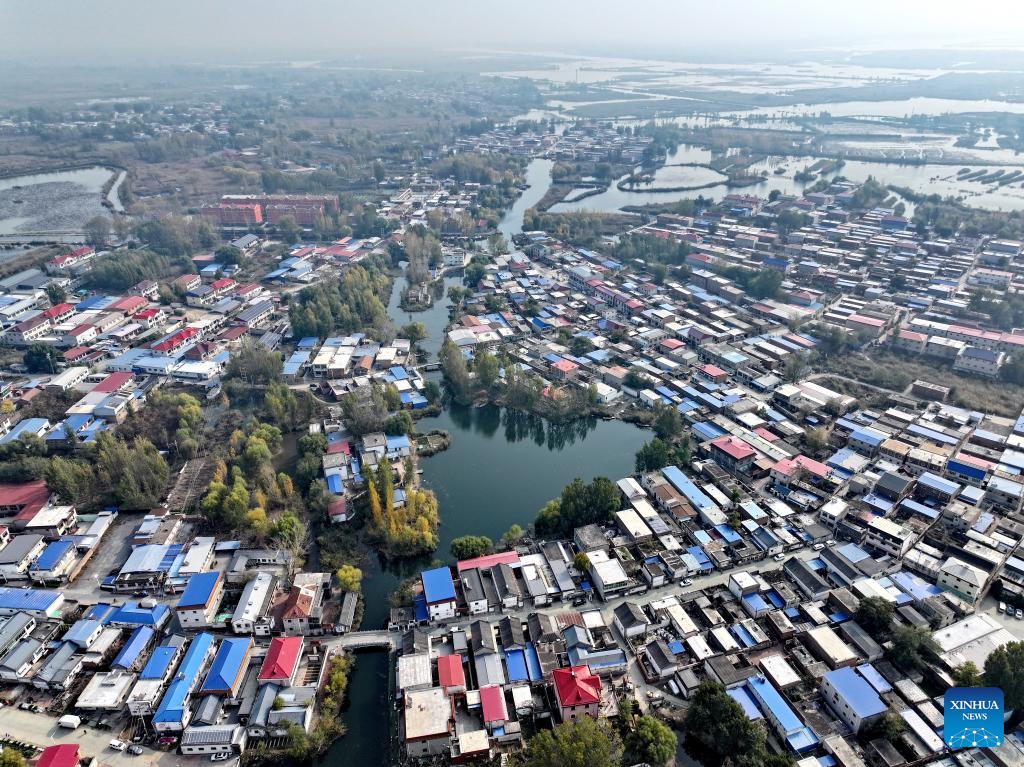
x: 686, y: 582
x: 779, y: 557
x: 134, y: 750
x: 818, y: 546
x: 118, y: 745
x: 218, y: 757
x: 1002, y: 607
x: 1019, y: 614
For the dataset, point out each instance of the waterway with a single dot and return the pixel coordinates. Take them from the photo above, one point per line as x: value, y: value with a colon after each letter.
x: 501, y: 468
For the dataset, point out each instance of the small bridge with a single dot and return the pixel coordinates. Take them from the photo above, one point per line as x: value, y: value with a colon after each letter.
x: 355, y: 640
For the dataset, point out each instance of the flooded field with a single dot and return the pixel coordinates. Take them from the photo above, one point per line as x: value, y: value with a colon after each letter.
x: 54, y: 203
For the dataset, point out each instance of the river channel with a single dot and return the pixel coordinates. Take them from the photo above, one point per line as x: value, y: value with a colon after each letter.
x: 501, y: 468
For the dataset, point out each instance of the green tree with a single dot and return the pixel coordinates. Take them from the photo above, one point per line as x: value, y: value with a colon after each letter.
x: 134, y: 475
x: 651, y: 742
x: 581, y: 345
x: 228, y: 255
x: 42, y: 358
x: 911, y: 647
x: 414, y: 331
x: 11, y: 757
x: 581, y: 562
x: 487, y: 368
x: 253, y: 364
x: 874, y: 615
x: 399, y: 423
x: 471, y: 546
x: 582, y: 743
x: 1004, y: 669
x: 510, y: 537
x: 456, y: 372
x: 289, y: 230
x: 56, y: 294
x: 668, y: 423
x: 653, y: 455
x: 967, y: 674
x: 97, y: 232
x: 349, y: 577
x: 719, y: 723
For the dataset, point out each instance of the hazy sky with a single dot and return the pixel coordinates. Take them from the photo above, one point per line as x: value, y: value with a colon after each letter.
x: 274, y: 29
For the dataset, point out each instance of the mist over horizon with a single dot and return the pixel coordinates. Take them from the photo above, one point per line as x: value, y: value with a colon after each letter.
x: 122, y: 33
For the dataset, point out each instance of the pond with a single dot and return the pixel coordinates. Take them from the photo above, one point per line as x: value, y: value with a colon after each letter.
x: 60, y: 202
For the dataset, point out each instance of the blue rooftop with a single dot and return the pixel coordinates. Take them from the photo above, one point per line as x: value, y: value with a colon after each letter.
x: 158, y: 663
x: 133, y: 648
x: 29, y: 600
x: 224, y: 672
x: 172, y: 705
x: 199, y: 590
x: 438, y: 585
x: 855, y: 690
x: 52, y: 555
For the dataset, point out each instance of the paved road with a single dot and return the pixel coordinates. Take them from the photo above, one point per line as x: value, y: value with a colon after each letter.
x: 42, y: 730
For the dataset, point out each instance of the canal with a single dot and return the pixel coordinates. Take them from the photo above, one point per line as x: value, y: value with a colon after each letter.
x: 501, y: 468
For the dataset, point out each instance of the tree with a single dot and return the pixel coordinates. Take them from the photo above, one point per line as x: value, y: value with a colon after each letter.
x: 9, y: 757
x: 582, y: 743
x: 874, y: 615
x: 653, y: 455
x: 42, y: 358
x: 719, y: 723
x: 289, y: 230
x: 658, y: 273
x: 889, y: 726
x: 349, y: 577
x: 967, y: 674
x: 1005, y: 669
x: 414, y: 331
x: 254, y: 364
x: 97, y: 232
x: 56, y: 294
x: 651, y: 742
x: 456, y: 372
x: 228, y: 254
x: 668, y: 423
x: 580, y: 345
x: 399, y: 423
x: 911, y: 645
x: 510, y: 537
x: 487, y: 368
x: 471, y: 546
x: 581, y: 562
x: 794, y: 368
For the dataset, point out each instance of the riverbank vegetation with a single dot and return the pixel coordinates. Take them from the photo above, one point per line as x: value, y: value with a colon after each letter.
x: 579, y: 504
x: 582, y: 229
x: 400, y: 528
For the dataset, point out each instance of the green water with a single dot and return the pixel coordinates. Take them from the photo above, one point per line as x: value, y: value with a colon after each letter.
x: 501, y: 468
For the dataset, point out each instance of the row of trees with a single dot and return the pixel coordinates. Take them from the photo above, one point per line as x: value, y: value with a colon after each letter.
x: 124, y: 268
x: 129, y: 475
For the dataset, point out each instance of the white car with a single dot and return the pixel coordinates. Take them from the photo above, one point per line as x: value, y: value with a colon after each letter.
x: 818, y: 546
x: 1002, y: 607
x: 685, y: 582
x: 1019, y: 614
x: 219, y: 757
x: 779, y: 557
x: 118, y: 745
